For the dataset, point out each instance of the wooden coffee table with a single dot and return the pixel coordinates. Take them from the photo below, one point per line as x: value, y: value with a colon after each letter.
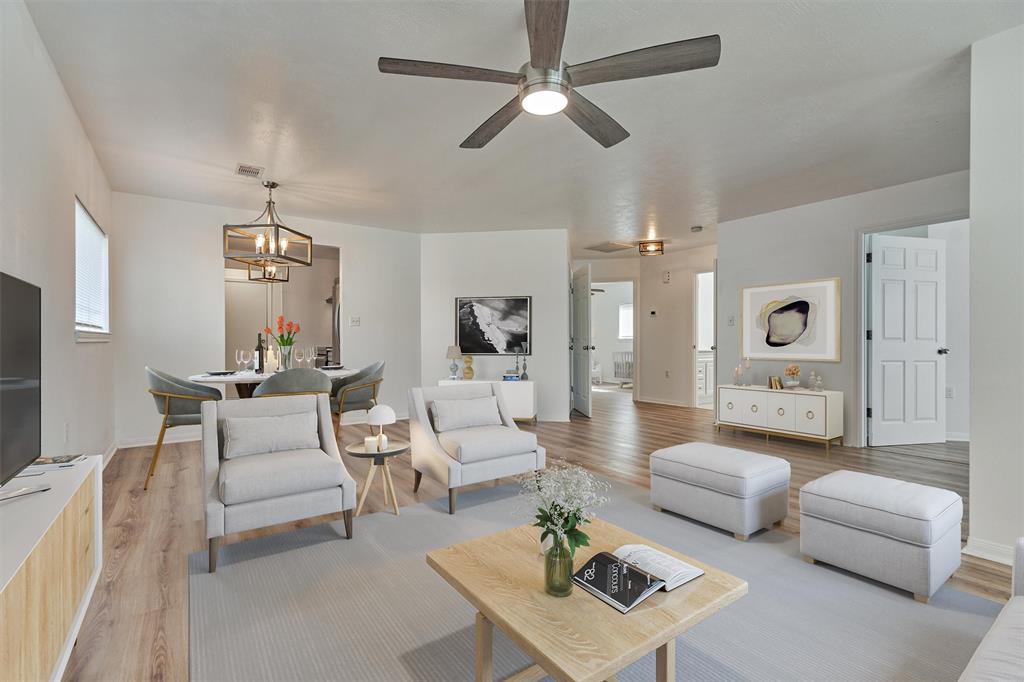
x: 578, y: 637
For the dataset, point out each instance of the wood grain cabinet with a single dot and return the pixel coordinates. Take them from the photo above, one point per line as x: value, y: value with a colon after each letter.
x: 50, y: 557
x: 799, y: 413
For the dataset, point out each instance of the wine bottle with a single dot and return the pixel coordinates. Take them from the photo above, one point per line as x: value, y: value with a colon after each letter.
x: 260, y: 359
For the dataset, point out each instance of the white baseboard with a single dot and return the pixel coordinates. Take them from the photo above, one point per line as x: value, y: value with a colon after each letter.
x: 661, y: 401
x: 181, y: 434
x: 958, y: 436
x: 109, y: 454
x: 993, y: 551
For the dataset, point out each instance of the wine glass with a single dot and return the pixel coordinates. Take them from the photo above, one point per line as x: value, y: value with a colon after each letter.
x: 300, y: 356
x: 311, y: 354
x: 238, y: 359
x: 246, y: 356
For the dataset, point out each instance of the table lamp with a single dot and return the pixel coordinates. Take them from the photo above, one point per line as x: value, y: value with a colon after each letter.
x: 379, y: 416
x: 454, y: 354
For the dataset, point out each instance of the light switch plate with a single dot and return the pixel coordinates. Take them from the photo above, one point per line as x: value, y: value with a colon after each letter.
x: 354, y: 321
x: 731, y: 321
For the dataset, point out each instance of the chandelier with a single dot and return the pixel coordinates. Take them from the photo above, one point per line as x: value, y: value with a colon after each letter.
x: 266, y: 245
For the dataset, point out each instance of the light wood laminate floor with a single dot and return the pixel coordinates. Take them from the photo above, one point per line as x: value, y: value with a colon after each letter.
x: 137, y: 624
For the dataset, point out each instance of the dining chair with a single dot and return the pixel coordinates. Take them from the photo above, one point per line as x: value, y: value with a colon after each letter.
x: 357, y: 392
x: 297, y: 381
x: 179, y: 401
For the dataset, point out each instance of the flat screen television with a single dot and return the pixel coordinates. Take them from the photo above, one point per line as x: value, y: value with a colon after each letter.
x: 20, y: 374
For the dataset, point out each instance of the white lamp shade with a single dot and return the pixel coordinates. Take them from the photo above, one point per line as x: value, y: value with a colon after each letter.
x: 454, y: 353
x: 380, y: 415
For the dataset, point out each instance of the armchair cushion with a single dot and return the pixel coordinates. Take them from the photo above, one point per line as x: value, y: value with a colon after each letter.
x: 480, y: 443
x: 261, y: 477
x: 450, y: 415
x: 259, y: 435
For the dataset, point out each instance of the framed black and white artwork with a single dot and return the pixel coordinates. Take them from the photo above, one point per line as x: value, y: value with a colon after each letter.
x: 795, y: 321
x: 493, y: 325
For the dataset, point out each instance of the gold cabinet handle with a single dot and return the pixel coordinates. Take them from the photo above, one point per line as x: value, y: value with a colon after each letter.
x: 728, y: 405
x: 781, y: 412
x: 810, y: 414
x: 753, y: 408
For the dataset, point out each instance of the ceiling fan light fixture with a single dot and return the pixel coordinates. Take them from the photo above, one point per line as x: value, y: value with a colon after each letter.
x: 543, y: 92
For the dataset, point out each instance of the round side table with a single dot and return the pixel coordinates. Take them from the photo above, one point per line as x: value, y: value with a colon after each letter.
x: 380, y: 461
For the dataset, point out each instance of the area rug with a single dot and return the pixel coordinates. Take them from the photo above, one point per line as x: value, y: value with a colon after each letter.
x: 311, y: 605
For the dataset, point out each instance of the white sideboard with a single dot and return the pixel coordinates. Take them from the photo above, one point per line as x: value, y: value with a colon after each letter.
x: 794, y: 413
x: 51, y: 551
x: 520, y: 396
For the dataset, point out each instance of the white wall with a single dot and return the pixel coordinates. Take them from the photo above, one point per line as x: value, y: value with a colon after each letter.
x: 957, y: 236
x: 522, y: 263
x: 604, y: 324
x: 170, y: 272
x: 45, y: 160
x: 997, y: 306
x: 663, y: 343
x: 816, y: 241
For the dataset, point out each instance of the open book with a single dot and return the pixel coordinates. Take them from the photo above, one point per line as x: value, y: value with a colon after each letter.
x: 662, y: 566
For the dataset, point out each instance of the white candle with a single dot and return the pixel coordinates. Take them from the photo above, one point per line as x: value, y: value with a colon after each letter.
x: 383, y: 440
x: 370, y: 443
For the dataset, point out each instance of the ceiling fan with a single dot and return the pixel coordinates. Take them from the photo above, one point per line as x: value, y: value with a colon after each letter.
x: 547, y: 84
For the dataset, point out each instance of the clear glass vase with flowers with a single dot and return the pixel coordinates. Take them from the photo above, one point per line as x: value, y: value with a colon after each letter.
x: 285, y: 338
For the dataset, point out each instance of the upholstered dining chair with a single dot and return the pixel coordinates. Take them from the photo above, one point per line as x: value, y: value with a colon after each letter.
x: 178, y: 400
x: 357, y: 392
x: 297, y: 381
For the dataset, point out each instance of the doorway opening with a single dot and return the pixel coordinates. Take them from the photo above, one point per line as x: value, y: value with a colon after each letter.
x: 915, y: 373
x: 704, y: 341
x: 612, y: 321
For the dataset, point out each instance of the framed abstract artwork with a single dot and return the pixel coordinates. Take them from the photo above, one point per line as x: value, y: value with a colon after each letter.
x: 795, y: 321
x: 493, y: 325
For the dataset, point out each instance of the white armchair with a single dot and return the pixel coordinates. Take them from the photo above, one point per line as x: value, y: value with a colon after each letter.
x: 462, y: 456
x: 268, y: 461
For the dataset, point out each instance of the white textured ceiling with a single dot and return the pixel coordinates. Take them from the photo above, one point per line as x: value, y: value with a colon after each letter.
x: 812, y: 99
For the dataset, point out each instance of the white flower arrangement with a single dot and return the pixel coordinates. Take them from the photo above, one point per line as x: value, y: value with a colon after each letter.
x: 563, y: 496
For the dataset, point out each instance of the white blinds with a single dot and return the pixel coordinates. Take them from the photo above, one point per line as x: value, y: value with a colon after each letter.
x: 91, y: 277
x: 626, y: 321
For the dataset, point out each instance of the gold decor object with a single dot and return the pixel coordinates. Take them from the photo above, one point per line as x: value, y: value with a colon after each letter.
x: 266, y: 241
x: 467, y: 370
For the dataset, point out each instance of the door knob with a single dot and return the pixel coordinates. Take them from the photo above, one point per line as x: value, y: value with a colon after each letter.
x: 943, y: 351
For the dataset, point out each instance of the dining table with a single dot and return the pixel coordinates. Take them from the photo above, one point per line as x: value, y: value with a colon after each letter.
x: 245, y: 381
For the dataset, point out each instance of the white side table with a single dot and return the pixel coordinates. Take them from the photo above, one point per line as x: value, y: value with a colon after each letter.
x: 520, y: 396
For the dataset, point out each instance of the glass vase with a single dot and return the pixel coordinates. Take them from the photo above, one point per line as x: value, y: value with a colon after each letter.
x: 558, y: 570
x: 286, y: 358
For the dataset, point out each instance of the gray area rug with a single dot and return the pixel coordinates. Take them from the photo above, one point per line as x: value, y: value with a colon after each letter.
x: 310, y: 605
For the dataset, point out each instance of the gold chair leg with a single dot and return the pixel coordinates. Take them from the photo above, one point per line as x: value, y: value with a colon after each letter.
x: 156, y: 453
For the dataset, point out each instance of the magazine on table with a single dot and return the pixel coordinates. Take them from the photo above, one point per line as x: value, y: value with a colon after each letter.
x: 631, y: 574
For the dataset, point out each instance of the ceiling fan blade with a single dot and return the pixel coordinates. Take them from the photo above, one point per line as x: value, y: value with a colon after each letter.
x: 594, y: 121
x: 414, y: 67
x: 545, y: 25
x: 494, y: 125
x: 684, y: 55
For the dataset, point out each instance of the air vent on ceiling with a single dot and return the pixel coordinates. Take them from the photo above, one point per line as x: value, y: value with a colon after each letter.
x: 247, y: 171
x: 610, y: 247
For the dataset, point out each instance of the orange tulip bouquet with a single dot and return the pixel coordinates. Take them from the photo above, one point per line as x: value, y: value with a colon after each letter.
x: 285, y: 338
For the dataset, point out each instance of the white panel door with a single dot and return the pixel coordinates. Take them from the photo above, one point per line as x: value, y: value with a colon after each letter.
x: 580, y: 340
x: 908, y: 333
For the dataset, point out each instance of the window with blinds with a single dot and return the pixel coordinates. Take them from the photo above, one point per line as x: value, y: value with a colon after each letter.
x: 626, y: 321
x: 92, y: 281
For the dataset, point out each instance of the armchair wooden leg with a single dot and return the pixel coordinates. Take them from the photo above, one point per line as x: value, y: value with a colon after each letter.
x: 156, y: 453
x: 214, y: 546
x: 452, y: 494
x: 417, y: 477
x: 347, y: 515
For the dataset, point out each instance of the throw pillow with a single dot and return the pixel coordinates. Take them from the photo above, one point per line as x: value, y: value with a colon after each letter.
x: 462, y: 414
x: 260, y: 435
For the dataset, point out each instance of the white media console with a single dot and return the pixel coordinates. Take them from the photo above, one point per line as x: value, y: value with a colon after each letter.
x: 795, y: 413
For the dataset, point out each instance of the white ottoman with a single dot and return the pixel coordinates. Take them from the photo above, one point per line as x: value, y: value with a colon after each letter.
x: 727, y: 488
x: 899, y: 533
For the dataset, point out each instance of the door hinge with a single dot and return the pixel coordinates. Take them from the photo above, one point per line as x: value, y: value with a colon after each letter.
x: 867, y: 258
x: 869, y: 335
x: 869, y: 413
